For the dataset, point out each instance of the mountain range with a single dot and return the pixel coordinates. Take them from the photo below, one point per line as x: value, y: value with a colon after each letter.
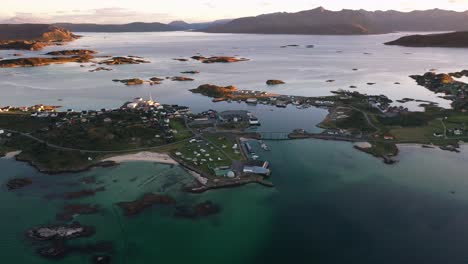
x: 322, y: 21
x: 315, y: 21
x: 139, y: 26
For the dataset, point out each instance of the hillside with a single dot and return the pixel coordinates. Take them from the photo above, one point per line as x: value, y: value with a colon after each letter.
x: 34, y: 32
x: 345, y: 22
x: 453, y: 40
x: 131, y: 27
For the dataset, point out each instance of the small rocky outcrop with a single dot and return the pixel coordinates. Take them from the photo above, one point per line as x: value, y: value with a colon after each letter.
x: 156, y: 79
x: 218, y: 59
x: 75, y: 52
x: 181, y: 79
x: 190, y: 72
x: 133, y: 81
x: 135, y: 207
x: 274, y: 82
x: 71, y: 231
x: 123, y: 61
x: 100, y: 69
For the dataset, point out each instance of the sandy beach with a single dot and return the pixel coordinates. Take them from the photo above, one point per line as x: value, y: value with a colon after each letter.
x: 144, y: 156
x: 11, y: 155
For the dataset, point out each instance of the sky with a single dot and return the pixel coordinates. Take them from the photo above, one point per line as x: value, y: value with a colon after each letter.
x: 124, y: 11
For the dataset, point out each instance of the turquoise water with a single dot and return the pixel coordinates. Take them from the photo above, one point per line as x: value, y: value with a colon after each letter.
x: 331, y: 204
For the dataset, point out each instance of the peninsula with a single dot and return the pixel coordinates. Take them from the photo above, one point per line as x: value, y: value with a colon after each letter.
x: 33, y: 36
x: 446, y: 40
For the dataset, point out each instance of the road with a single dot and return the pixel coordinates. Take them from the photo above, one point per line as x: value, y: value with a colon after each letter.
x: 54, y: 146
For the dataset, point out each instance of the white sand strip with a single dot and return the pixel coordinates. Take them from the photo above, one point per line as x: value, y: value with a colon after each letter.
x: 144, y: 156
x: 12, y: 154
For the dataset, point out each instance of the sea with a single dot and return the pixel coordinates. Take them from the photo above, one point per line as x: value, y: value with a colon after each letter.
x: 331, y: 204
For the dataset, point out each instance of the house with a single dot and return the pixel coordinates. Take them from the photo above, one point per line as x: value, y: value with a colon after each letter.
x: 235, y: 116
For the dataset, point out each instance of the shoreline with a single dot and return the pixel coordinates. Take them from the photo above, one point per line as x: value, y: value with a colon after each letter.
x: 143, y: 156
x: 11, y: 154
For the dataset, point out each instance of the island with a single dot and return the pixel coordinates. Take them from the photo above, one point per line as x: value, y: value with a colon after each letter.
x: 218, y: 59
x: 445, y: 40
x: 274, y: 82
x: 77, y: 56
x: 33, y: 36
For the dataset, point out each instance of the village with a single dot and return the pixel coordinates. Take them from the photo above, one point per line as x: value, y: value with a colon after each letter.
x: 57, y: 141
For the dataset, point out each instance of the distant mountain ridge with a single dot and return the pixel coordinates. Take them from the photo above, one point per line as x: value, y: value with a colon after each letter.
x: 139, y: 26
x: 346, y: 22
x: 131, y: 27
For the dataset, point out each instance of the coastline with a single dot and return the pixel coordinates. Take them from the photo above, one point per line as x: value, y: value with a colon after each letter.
x: 11, y: 154
x: 143, y: 156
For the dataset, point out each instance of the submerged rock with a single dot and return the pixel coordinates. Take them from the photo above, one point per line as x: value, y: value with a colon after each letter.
x: 18, y: 183
x: 203, y: 209
x: 70, y: 210
x: 135, y: 207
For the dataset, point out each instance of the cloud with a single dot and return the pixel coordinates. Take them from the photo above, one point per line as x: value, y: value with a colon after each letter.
x: 114, y: 15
